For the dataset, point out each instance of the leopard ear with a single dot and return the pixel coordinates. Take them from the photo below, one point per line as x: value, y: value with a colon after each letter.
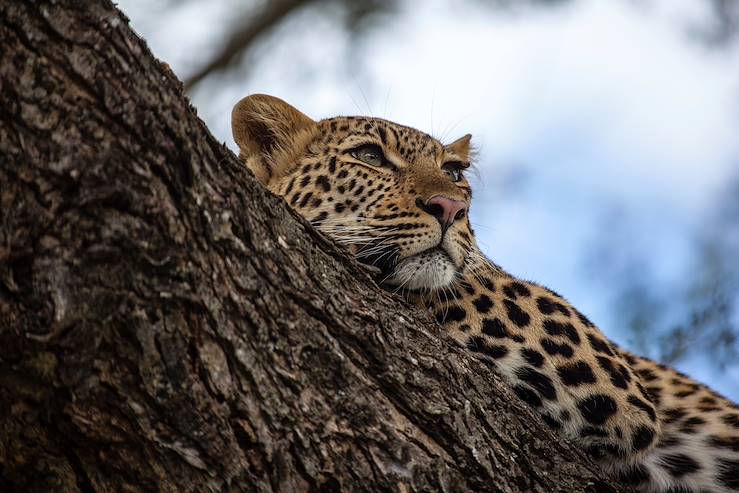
x: 461, y: 147
x: 269, y: 132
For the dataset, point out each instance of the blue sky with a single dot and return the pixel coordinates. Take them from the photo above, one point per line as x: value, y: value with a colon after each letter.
x: 599, y: 119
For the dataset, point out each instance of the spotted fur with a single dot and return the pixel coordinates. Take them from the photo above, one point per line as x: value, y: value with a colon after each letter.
x: 648, y: 425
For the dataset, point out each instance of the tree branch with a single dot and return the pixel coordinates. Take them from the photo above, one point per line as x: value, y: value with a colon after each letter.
x: 273, y: 12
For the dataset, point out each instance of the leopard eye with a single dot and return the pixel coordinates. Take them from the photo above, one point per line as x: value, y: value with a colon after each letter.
x: 369, y: 154
x: 453, y: 170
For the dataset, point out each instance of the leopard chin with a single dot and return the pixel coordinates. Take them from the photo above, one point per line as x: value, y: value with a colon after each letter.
x: 427, y: 271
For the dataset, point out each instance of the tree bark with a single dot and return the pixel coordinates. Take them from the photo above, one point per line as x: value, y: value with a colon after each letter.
x: 166, y: 324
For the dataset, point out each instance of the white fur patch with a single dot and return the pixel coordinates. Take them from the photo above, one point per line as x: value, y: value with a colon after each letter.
x: 432, y: 269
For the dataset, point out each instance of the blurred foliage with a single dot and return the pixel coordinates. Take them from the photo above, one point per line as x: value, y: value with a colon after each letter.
x: 724, y: 23
x: 253, y: 20
x: 700, y: 314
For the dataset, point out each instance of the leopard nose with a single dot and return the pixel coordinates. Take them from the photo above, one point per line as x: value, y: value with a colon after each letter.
x: 445, y: 210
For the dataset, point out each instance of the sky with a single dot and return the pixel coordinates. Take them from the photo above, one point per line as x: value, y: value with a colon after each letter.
x: 598, y: 119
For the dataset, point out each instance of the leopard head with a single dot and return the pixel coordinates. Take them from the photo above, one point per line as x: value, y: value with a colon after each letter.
x: 396, y: 196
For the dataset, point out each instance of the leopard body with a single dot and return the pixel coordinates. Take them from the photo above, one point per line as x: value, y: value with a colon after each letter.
x: 399, y: 200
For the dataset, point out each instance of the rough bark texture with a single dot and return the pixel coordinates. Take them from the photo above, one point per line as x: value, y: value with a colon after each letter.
x: 168, y: 325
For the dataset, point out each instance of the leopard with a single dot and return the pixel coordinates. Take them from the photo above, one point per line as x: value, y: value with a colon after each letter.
x: 399, y: 199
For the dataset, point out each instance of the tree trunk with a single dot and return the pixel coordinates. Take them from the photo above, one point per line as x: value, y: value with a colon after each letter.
x: 168, y: 325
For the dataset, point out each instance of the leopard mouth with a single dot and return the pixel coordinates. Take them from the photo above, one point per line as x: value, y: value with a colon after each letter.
x: 429, y: 270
